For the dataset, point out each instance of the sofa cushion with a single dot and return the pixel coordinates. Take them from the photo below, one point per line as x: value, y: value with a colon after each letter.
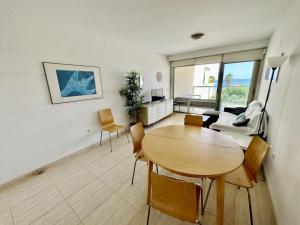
x: 255, y: 118
x: 241, y: 121
x: 253, y: 114
x: 241, y: 115
x: 253, y: 107
x: 211, y: 112
x: 225, y: 122
x: 254, y: 103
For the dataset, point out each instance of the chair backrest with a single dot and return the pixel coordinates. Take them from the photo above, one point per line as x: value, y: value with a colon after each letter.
x: 106, y: 117
x: 254, y: 156
x: 137, y: 135
x: 176, y: 198
x: 194, y: 120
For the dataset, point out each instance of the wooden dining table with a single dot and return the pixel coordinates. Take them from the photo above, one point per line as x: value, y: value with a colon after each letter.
x: 194, y: 152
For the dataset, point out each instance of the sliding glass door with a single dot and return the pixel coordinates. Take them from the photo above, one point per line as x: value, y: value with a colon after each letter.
x: 236, y: 83
x: 195, y: 87
x: 217, y: 81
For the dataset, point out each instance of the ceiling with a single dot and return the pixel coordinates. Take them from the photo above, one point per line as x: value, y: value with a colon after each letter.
x: 164, y: 26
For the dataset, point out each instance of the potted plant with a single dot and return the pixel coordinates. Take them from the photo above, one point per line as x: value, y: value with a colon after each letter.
x: 132, y: 94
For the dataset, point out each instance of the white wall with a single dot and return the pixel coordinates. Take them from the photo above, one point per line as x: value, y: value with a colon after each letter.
x: 33, y: 131
x: 283, y: 109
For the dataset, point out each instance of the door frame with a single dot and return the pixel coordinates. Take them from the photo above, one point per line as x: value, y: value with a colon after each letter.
x: 252, y: 87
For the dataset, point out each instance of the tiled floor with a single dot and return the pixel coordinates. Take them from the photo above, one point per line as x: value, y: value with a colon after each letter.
x: 93, y: 188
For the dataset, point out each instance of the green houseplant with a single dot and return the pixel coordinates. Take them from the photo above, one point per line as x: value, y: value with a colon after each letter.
x: 132, y: 94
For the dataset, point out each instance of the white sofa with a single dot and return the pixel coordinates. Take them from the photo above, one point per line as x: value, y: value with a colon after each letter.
x: 253, y: 113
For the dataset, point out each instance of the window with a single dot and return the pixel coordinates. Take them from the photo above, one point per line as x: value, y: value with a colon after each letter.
x: 216, y: 81
x: 206, y: 81
x: 236, y: 83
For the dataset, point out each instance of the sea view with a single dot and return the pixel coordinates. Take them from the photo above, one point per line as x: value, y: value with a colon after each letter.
x: 236, y: 82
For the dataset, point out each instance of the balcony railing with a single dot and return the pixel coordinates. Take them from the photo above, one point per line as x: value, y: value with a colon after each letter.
x: 205, y: 92
x: 232, y: 95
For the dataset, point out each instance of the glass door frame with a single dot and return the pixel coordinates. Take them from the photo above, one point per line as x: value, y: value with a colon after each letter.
x: 252, y: 88
x: 253, y: 85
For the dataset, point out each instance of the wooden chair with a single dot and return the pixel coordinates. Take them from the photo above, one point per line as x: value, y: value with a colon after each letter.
x: 194, y: 120
x: 137, y: 135
x: 107, y: 124
x: 247, y: 173
x: 176, y: 198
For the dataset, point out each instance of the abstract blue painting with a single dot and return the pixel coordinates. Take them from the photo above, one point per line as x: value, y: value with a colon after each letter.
x: 76, y: 83
x: 70, y: 83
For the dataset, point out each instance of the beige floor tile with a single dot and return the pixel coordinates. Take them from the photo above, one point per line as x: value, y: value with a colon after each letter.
x: 120, y: 174
x: 113, y: 211
x: 96, y: 184
x: 100, y: 166
x: 158, y: 218
x: 261, y: 206
x: 89, y: 198
x: 89, y: 156
x: 60, y: 215
x: 121, y: 153
x: 5, y: 218
x: 135, y: 194
x: 115, y: 142
x: 34, y: 207
x: 74, y: 182
x: 4, y: 203
x: 62, y: 169
x: 104, y: 148
x: 27, y: 187
x: 138, y: 220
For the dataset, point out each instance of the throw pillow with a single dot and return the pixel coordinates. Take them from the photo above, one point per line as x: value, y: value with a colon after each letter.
x: 240, y: 116
x: 242, y: 121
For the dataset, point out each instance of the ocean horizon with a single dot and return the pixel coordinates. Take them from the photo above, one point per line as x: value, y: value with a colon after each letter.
x: 236, y: 82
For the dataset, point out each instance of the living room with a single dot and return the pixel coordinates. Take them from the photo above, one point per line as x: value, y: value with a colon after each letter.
x: 62, y: 163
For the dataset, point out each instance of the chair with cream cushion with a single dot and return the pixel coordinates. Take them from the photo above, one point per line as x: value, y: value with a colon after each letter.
x: 107, y: 124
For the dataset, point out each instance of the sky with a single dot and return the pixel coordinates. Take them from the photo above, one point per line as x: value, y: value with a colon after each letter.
x: 241, y: 70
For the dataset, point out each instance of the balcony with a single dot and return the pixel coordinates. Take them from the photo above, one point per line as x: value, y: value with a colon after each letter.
x: 231, y: 96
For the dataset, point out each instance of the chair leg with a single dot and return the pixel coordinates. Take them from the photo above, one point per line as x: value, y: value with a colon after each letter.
x: 101, y: 138
x: 156, y: 169
x: 110, y: 142
x: 250, y: 206
x: 263, y: 173
x: 117, y: 134
x: 148, y: 216
x: 126, y: 134
x: 198, y: 222
x: 133, y: 172
x: 202, y: 206
x: 209, y: 188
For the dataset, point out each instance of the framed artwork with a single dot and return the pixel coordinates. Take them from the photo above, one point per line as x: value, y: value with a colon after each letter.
x: 69, y: 83
x: 269, y: 74
x: 159, y: 76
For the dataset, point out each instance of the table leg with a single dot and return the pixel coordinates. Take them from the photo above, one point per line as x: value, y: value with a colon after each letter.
x: 150, y: 168
x: 220, y: 200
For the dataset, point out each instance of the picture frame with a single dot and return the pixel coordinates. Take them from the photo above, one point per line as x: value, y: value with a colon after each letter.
x: 268, y: 74
x: 69, y: 82
x: 159, y: 76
